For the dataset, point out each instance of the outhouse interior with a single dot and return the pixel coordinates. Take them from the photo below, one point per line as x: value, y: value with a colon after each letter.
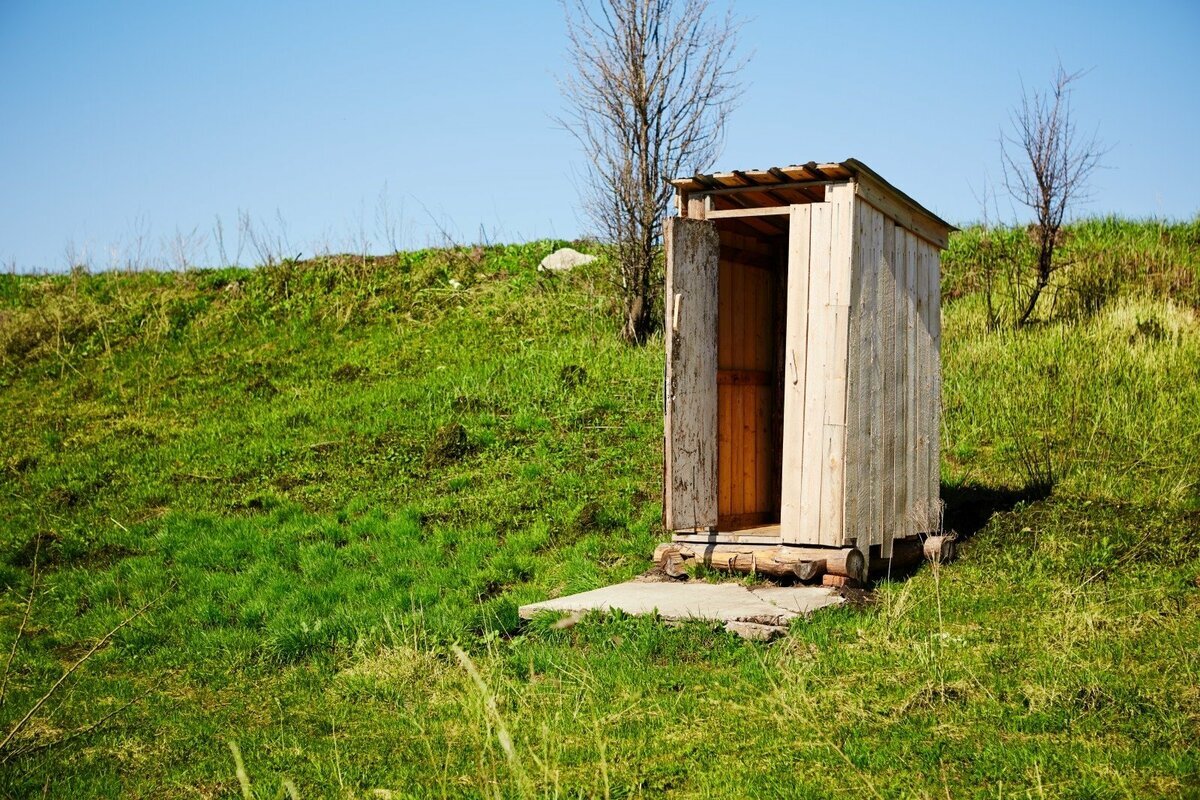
x: 802, y: 324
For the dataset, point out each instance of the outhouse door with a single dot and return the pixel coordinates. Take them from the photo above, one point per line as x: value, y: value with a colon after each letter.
x: 690, y: 305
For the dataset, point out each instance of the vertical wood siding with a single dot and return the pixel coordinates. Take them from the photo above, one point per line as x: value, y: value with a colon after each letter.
x: 892, y: 477
x: 816, y: 342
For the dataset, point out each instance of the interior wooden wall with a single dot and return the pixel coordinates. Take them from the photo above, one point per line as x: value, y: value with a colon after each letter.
x: 748, y: 380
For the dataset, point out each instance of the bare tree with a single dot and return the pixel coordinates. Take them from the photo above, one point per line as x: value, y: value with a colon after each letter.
x: 651, y: 84
x: 1047, y: 166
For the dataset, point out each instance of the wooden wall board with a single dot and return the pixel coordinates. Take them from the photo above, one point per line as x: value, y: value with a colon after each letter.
x: 746, y: 382
x: 833, y: 482
x: 795, y: 371
x: 819, y: 348
x: 913, y: 489
x: 901, y: 213
x: 861, y: 433
x: 935, y: 385
x: 887, y: 389
x: 901, y: 454
x: 690, y: 491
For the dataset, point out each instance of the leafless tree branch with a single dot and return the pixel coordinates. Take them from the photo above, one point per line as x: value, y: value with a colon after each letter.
x: 5, y: 752
x: 651, y: 85
x: 1047, y: 166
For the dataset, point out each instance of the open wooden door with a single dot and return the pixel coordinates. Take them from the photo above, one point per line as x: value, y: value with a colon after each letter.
x: 690, y: 478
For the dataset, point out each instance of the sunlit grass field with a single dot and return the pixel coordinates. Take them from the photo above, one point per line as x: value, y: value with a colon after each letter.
x: 313, y: 495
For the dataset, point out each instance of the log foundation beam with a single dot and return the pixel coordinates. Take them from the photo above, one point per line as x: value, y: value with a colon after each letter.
x: 776, y: 561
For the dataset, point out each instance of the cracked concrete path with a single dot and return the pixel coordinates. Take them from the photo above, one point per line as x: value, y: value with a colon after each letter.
x: 758, y: 612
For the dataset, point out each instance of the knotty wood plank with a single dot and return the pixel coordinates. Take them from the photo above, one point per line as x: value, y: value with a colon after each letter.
x: 765, y: 450
x: 820, y: 331
x: 795, y: 363
x: 900, y: 466
x: 914, y: 377
x: 690, y: 496
x: 725, y: 360
x: 736, y: 451
x: 833, y: 482
x: 749, y: 449
x: 725, y: 317
x: 724, y: 452
x: 887, y: 388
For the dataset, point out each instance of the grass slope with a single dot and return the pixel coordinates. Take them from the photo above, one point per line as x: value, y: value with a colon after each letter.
x: 327, y: 476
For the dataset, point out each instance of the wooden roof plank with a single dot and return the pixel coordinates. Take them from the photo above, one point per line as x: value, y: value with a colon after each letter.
x: 734, y: 186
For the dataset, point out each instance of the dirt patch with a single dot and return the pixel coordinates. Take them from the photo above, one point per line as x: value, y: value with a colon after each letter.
x: 449, y: 445
x: 857, y: 597
x: 349, y: 373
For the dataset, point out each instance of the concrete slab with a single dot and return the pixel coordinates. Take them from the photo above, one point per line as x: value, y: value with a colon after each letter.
x: 745, y: 610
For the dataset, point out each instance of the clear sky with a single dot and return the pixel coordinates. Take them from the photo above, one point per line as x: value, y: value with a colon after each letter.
x: 127, y: 123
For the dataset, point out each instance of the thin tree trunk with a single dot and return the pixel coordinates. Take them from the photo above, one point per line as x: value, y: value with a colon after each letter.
x: 1044, y: 268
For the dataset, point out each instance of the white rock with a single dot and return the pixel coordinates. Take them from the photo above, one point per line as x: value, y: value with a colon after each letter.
x: 564, y: 260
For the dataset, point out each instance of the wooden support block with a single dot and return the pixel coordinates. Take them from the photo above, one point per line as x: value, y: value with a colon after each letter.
x: 940, y: 548
x: 906, y: 555
x: 838, y: 581
x: 811, y: 570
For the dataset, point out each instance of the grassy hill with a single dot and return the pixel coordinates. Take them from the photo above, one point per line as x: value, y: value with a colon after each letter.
x: 316, y: 480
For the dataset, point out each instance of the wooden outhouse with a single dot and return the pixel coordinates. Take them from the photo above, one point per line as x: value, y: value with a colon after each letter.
x: 803, y: 377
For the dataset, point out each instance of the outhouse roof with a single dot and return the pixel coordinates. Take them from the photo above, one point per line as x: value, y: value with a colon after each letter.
x: 789, y: 183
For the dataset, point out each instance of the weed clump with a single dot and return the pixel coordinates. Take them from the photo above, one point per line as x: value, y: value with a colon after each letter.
x: 449, y: 445
x: 260, y: 386
x: 572, y: 376
x: 1148, y: 330
x: 349, y: 373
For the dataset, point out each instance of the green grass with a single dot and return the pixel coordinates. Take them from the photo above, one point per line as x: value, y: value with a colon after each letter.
x: 326, y: 475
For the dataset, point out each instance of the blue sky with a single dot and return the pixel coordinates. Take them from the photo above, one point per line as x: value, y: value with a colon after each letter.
x: 127, y: 123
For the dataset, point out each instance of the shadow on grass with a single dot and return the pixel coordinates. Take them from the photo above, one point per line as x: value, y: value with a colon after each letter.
x: 969, y: 506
